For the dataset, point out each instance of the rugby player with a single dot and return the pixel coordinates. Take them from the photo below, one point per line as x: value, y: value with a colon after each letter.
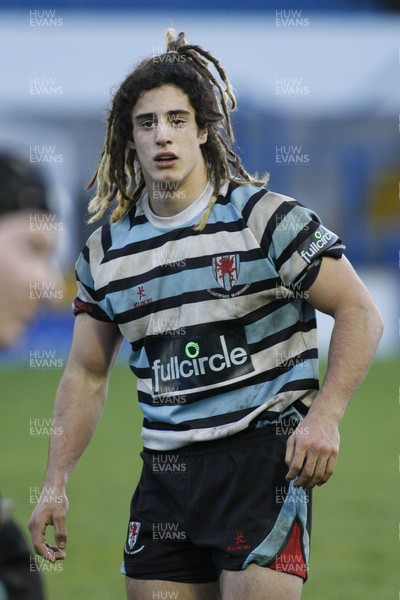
x: 214, y: 281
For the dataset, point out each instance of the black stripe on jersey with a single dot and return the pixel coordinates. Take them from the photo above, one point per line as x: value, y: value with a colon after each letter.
x: 80, y: 306
x: 264, y: 311
x: 282, y: 335
x: 85, y: 254
x: 300, y: 384
x: 181, y: 233
x: 281, y: 212
x: 106, y: 239
x: 251, y: 203
x: 223, y: 200
x: 89, y: 290
x: 165, y: 270
x: 223, y: 419
x: 199, y: 296
x: 294, y: 245
x: 135, y: 219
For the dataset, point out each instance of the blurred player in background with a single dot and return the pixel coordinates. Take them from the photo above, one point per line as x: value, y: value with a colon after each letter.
x: 214, y: 281
x: 26, y: 256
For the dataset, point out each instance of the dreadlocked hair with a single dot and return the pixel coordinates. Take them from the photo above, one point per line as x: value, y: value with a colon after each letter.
x: 119, y: 178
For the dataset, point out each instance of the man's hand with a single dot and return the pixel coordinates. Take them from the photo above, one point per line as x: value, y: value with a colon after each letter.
x: 50, y: 510
x: 312, y: 451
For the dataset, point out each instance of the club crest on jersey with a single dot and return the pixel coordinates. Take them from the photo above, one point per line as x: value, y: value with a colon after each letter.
x: 226, y: 270
x: 133, y: 533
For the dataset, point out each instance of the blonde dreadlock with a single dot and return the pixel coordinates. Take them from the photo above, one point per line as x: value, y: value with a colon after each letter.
x: 119, y: 177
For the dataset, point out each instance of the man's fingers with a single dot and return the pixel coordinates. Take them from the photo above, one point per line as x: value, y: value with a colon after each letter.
x: 60, y: 534
x: 310, y: 478
x: 330, y: 467
x: 46, y: 515
x: 307, y: 471
x: 53, y: 553
x: 290, y: 449
x: 296, y: 455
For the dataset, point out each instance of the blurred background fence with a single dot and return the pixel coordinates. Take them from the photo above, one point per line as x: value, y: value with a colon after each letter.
x: 318, y: 109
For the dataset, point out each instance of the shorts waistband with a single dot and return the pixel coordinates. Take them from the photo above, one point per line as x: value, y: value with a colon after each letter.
x: 214, y: 446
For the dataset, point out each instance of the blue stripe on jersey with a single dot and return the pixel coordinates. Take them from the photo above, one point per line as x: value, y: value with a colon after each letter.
x: 219, y: 404
x: 212, y: 317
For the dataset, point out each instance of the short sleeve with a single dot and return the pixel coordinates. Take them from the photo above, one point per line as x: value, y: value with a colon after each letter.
x: 292, y: 237
x: 86, y: 300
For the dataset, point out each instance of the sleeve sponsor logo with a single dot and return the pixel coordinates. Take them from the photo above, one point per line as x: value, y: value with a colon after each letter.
x: 321, y: 240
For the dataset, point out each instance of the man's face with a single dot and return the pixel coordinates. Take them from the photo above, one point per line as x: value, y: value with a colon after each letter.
x: 167, y: 139
x: 26, y: 264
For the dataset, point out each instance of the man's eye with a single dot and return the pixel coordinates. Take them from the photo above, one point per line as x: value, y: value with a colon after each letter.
x: 147, y: 124
x: 178, y: 122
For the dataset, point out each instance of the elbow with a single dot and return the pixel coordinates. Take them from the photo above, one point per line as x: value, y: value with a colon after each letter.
x: 378, y: 322
x: 373, y: 319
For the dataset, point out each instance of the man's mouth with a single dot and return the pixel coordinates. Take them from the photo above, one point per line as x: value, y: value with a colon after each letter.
x: 165, y: 159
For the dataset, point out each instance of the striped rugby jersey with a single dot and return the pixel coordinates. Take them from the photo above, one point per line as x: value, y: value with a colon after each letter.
x: 218, y: 321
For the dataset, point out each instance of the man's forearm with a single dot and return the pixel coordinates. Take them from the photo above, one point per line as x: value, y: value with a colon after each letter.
x: 354, y: 341
x: 79, y: 404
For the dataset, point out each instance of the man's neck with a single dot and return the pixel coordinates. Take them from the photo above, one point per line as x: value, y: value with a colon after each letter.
x: 168, y: 199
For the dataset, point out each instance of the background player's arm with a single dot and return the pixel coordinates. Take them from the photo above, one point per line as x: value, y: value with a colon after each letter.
x: 313, y: 448
x: 79, y: 403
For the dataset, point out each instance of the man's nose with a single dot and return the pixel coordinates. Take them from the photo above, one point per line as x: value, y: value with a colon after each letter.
x: 163, y: 132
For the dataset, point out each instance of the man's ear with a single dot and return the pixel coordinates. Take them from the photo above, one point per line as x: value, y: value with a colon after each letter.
x: 203, y: 135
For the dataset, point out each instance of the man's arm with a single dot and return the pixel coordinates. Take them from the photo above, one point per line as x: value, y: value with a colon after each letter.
x: 313, y: 448
x: 79, y: 403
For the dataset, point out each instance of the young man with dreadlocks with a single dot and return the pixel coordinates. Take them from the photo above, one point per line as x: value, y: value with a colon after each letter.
x: 214, y: 281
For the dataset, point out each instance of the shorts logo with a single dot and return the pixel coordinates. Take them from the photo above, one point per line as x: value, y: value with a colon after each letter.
x: 226, y: 270
x: 239, y: 544
x: 133, y: 533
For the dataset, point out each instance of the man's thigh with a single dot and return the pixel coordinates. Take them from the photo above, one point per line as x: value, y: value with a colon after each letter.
x: 137, y: 589
x: 259, y: 583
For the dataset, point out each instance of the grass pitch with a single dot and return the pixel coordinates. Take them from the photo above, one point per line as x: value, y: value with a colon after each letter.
x: 355, y: 541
